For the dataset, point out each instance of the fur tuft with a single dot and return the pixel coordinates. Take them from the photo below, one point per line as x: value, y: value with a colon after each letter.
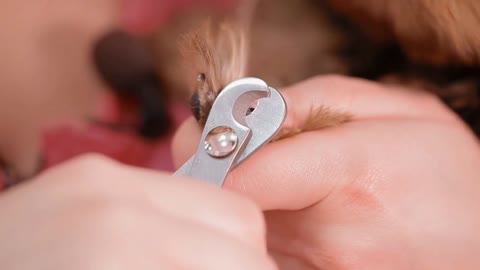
x: 220, y: 56
x: 319, y: 118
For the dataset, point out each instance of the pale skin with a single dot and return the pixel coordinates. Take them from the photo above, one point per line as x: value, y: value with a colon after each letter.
x: 93, y: 213
x: 397, y: 188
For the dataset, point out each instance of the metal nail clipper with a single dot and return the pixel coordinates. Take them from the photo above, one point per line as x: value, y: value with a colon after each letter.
x: 246, y: 115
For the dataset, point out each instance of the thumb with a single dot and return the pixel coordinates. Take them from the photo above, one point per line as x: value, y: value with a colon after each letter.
x: 297, y: 172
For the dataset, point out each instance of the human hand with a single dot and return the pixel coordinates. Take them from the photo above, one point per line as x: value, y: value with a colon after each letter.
x: 93, y: 213
x: 395, y: 188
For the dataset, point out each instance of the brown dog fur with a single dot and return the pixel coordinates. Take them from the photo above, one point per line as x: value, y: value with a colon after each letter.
x: 433, y: 31
x: 435, y: 46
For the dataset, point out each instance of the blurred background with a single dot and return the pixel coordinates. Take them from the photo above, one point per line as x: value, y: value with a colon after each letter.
x: 107, y: 76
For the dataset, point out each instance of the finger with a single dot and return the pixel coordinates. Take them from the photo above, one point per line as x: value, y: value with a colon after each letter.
x: 362, y: 99
x: 203, y: 248
x: 356, y: 160
x: 151, y: 240
x: 283, y: 175
x: 98, y: 177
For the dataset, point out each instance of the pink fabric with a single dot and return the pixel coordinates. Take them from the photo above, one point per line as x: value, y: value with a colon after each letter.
x: 69, y: 140
x: 143, y: 15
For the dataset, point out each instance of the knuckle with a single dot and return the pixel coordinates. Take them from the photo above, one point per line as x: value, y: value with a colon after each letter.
x: 91, y: 172
x: 101, y: 221
x: 249, y: 215
x: 111, y: 215
x: 330, y: 77
x: 429, y: 98
x: 91, y: 161
x: 88, y: 179
x: 334, y: 82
